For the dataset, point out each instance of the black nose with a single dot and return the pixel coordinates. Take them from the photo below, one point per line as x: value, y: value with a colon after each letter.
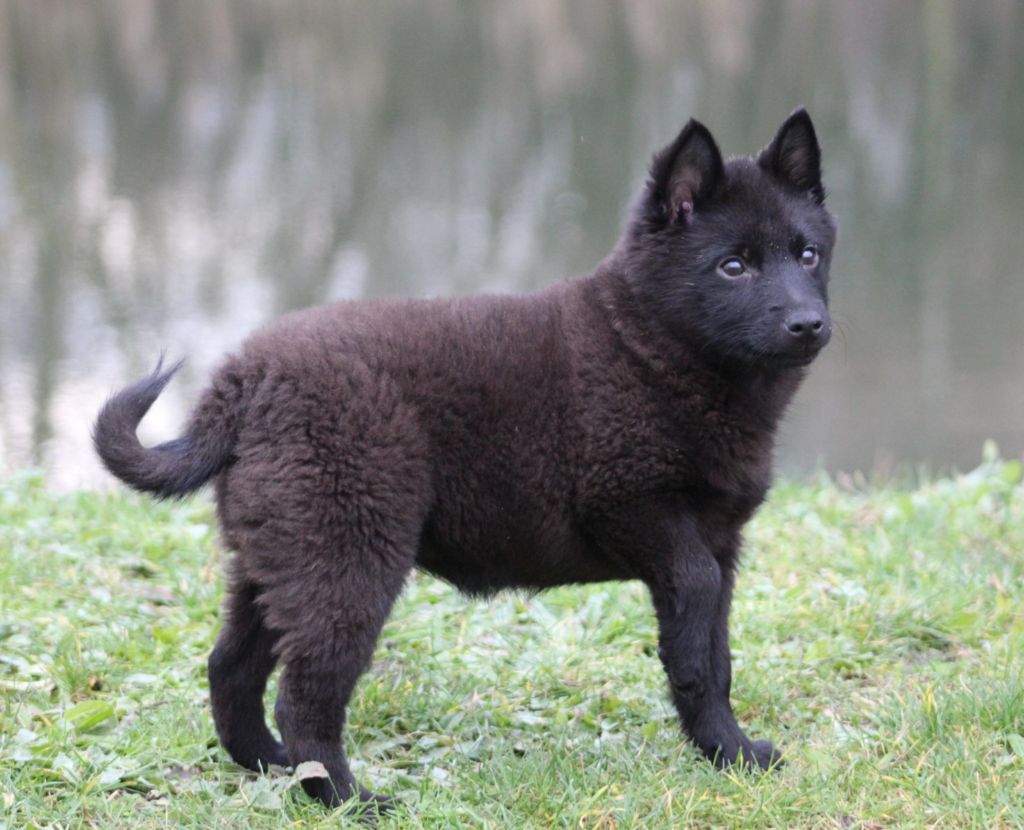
x: 805, y: 324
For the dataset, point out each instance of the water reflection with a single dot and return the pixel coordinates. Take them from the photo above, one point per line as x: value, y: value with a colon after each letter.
x: 172, y: 174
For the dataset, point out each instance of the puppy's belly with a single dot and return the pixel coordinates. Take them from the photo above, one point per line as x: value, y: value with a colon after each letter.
x: 482, y: 562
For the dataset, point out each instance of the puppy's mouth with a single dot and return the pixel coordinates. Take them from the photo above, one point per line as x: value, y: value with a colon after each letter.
x: 788, y: 359
x: 796, y: 354
x: 774, y: 356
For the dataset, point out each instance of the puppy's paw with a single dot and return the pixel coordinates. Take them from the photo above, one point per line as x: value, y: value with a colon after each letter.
x: 369, y: 807
x: 736, y: 749
x: 760, y: 755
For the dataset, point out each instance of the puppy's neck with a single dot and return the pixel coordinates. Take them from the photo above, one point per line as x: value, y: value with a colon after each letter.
x: 664, y: 354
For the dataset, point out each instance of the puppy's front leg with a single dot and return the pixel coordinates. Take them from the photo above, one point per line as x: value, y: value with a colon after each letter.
x: 691, y: 595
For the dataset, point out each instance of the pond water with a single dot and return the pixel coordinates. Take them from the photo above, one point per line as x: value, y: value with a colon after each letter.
x: 173, y: 174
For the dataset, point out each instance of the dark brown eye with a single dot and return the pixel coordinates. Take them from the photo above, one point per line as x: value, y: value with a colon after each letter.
x: 809, y: 257
x: 732, y: 267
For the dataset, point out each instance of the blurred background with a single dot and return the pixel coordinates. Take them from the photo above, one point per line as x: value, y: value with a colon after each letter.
x: 172, y: 174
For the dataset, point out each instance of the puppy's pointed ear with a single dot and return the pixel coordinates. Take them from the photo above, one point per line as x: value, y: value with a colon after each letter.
x: 794, y: 156
x: 686, y: 173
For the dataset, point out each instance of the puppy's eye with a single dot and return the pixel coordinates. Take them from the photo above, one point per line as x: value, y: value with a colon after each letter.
x: 732, y: 267
x: 809, y: 257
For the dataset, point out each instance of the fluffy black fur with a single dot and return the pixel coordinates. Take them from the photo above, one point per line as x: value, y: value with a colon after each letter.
x: 618, y: 426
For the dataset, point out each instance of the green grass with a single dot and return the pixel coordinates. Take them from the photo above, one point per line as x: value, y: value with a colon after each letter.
x: 877, y: 638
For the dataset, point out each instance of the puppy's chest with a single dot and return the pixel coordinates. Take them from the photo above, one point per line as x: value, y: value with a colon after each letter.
x: 702, y: 446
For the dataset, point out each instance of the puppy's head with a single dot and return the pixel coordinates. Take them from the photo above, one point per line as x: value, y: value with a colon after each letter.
x: 733, y: 257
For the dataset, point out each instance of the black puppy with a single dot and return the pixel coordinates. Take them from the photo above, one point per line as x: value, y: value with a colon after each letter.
x: 618, y: 426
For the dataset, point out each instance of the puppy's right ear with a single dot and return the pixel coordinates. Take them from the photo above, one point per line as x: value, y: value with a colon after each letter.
x: 794, y: 156
x: 686, y: 173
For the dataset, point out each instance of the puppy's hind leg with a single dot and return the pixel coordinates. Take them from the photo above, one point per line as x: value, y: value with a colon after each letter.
x: 238, y: 669
x: 328, y: 517
x: 324, y: 655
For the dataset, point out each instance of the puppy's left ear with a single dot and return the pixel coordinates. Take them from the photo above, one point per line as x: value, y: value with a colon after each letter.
x: 685, y: 175
x: 794, y: 156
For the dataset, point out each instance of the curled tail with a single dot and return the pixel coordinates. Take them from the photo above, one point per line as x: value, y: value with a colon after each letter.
x: 175, y: 467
